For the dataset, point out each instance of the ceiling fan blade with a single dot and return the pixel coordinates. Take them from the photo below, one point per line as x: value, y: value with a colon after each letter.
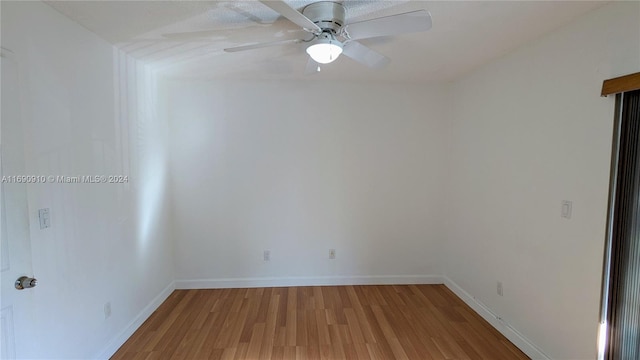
x: 364, y: 55
x: 292, y: 14
x: 312, y: 67
x: 204, y: 34
x: 261, y: 45
x: 414, y: 21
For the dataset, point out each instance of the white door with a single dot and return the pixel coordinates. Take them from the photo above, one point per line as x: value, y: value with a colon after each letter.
x: 15, y: 305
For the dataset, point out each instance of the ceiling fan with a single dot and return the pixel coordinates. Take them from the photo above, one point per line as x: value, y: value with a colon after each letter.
x: 330, y: 34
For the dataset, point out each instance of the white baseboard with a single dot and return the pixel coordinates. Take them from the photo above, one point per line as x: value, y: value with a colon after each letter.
x: 519, y: 340
x: 307, y: 281
x: 124, y: 335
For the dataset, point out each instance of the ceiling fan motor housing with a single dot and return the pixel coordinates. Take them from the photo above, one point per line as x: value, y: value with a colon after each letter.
x: 327, y: 15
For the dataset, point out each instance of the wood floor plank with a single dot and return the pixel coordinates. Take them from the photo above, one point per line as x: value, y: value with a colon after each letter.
x: 234, y: 339
x: 358, y: 308
x: 208, y: 347
x: 419, y: 322
x: 446, y: 350
x: 301, y: 353
x: 301, y: 328
x: 241, y: 351
x: 318, y: 299
x: 170, y: 319
x: 270, y: 327
x: 291, y: 324
x: 354, y: 326
x: 362, y: 352
x: 256, y: 341
x: 289, y: 352
x: 280, y: 337
x: 281, y: 318
x: 313, y: 352
x: 323, y: 328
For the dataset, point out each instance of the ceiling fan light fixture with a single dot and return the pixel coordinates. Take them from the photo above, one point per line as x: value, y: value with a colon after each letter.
x: 325, y: 49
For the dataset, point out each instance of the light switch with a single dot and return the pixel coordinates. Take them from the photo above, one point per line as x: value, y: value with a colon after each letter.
x: 566, y: 209
x: 45, y: 220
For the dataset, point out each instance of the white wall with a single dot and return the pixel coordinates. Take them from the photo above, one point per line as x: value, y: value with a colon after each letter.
x: 372, y: 170
x: 299, y: 168
x: 88, y: 109
x: 527, y: 132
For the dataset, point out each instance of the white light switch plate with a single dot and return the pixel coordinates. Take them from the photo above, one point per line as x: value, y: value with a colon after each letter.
x: 45, y: 220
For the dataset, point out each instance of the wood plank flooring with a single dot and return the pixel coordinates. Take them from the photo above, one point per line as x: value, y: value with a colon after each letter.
x: 325, y: 322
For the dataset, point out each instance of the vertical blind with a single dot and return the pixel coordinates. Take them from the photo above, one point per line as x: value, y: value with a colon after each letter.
x: 624, y: 282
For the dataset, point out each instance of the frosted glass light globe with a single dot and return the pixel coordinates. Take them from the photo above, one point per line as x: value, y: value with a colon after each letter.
x: 325, y: 49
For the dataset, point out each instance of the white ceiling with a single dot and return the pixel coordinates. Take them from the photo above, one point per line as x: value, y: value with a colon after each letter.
x: 465, y: 35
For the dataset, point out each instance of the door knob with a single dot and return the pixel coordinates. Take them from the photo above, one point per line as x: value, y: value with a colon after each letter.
x: 25, y: 282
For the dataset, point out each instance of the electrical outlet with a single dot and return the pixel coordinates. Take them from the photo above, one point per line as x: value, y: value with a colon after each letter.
x: 107, y: 310
x: 499, y: 288
x: 332, y: 254
x: 267, y: 255
x: 566, y: 209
